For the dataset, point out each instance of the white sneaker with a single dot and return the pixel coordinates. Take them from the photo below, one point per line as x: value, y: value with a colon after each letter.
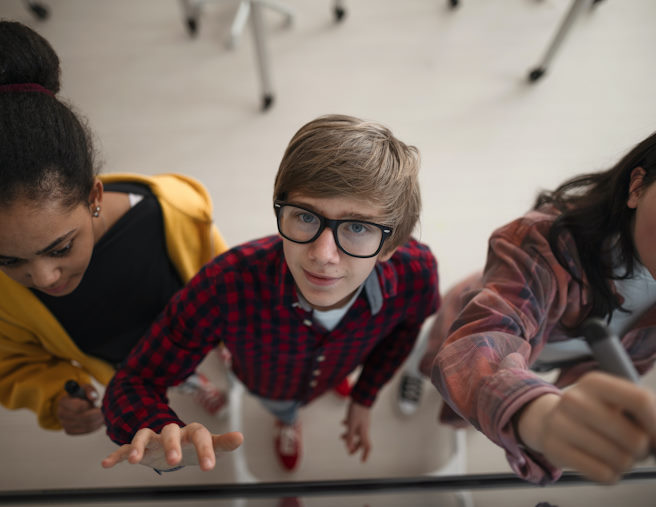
x: 410, y: 389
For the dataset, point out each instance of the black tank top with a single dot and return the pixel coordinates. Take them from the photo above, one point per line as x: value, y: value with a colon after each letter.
x: 129, y: 281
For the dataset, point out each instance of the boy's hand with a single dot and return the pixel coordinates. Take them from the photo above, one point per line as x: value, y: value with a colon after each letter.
x: 601, y: 426
x: 174, y: 447
x: 79, y: 416
x: 357, y: 424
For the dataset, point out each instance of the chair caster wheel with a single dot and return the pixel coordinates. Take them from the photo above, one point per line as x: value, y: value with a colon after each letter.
x: 40, y: 11
x: 192, y: 26
x: 536, y: 74
x: 267, y: 101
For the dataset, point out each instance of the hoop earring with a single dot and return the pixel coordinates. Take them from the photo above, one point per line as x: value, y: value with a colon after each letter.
x: 96, y: 212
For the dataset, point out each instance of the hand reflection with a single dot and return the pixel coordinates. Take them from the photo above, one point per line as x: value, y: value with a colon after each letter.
x: 173, y: 447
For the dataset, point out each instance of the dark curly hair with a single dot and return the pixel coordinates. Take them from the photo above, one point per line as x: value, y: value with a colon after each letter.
x: 46, y: 150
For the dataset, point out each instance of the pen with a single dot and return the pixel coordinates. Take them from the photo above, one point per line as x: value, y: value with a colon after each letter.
x: 608, y: 350
x: 75, y: 390
x: 609, y: 353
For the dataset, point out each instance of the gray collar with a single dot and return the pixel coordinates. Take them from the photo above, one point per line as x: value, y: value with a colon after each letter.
x: 371, y: 288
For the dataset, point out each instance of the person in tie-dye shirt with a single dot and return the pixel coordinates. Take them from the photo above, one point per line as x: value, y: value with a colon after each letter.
x: 586, y: 249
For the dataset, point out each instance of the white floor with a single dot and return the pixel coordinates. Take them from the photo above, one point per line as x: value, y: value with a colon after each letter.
x: 453, y: 83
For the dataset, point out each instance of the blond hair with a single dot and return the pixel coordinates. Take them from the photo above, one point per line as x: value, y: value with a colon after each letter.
x: 338, y: 155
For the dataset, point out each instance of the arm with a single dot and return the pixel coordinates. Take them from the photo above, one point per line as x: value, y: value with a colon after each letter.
x: 482, y: 366
x: 177, y: 341
x: 417, y: 297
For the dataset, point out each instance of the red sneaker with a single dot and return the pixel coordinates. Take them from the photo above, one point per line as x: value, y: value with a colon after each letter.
x: 287, y: 442
x: 343, y: 389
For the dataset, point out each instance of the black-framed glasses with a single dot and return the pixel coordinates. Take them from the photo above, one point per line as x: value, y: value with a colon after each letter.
x: 356, y: 238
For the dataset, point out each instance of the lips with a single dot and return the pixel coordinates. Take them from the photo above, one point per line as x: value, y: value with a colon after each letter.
x: 321, y: 280
x: 57, y: 289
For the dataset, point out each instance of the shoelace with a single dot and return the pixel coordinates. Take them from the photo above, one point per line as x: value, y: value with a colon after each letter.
x: 411, y: 388
x: 288, y: 436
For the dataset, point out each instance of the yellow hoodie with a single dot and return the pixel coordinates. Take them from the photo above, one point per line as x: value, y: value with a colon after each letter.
x: 37, y: 356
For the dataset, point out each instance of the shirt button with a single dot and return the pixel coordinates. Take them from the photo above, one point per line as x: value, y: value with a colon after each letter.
x: 316, y: 373
x: 313, y: 383
x: 321, y: 358
x: 307, y: 322
x: 296, y: 305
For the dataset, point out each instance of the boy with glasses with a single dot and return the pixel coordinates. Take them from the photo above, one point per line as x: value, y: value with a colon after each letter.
x: 344, y: 285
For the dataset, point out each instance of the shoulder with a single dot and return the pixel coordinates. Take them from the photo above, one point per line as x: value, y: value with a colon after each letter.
x: 175, y: 192
x: 414, y: 256
x: 531, y: 233
x: 260, y: 256
x: 412, y: 265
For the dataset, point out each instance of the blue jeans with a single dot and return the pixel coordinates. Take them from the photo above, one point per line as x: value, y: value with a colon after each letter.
x: 283, y: 410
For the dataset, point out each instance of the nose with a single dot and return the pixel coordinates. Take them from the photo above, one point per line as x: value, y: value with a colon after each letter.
x: 44, y: 273
x: 324, y: 248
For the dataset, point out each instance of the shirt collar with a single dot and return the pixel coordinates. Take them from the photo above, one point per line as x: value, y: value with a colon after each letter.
x: 375, y: 290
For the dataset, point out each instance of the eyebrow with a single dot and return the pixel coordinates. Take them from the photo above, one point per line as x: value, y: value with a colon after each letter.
x: 49, y: 247
x: 56, y: 242
x: 351, y: 216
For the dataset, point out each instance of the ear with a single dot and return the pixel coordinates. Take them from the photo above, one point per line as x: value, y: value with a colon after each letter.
x: 96, y: 194
x: 387, y: 256
x: 635, y: 187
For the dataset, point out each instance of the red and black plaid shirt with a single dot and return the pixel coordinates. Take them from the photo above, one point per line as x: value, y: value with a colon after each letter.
x: 247, y: 299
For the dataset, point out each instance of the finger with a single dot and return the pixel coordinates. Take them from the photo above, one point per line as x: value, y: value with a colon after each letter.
x: 139, y: 443
x: 90, y: 391
x: 564, y: 455
x: 69, y: 406
x: 170, y: 438
x: 83, y: 423
x: 606, y: 421
x: 228, y: 441
x: 202, y: 440
x: 366, y: 446
x: 586, y: 440
x: 120, y: 454
x: 636, y: 400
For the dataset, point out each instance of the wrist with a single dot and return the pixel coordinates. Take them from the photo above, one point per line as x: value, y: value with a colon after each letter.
x: 530, y: 422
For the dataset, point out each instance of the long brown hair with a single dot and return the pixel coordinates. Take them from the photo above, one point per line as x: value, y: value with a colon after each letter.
x: 594, y: 211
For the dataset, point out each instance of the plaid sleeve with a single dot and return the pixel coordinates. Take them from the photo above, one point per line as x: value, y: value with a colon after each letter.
x: 169, y: 352
x: 418, y: 298
x: 481, y: 369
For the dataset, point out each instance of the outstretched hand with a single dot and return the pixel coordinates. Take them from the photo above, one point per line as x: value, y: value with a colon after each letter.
x: 174, y: 447
x: 601, y: 426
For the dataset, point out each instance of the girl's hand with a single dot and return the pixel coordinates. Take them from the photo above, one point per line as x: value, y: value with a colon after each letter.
x: 601, y: 426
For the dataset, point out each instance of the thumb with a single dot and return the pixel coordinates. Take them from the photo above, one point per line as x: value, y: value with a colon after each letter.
x: 92, y: 394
